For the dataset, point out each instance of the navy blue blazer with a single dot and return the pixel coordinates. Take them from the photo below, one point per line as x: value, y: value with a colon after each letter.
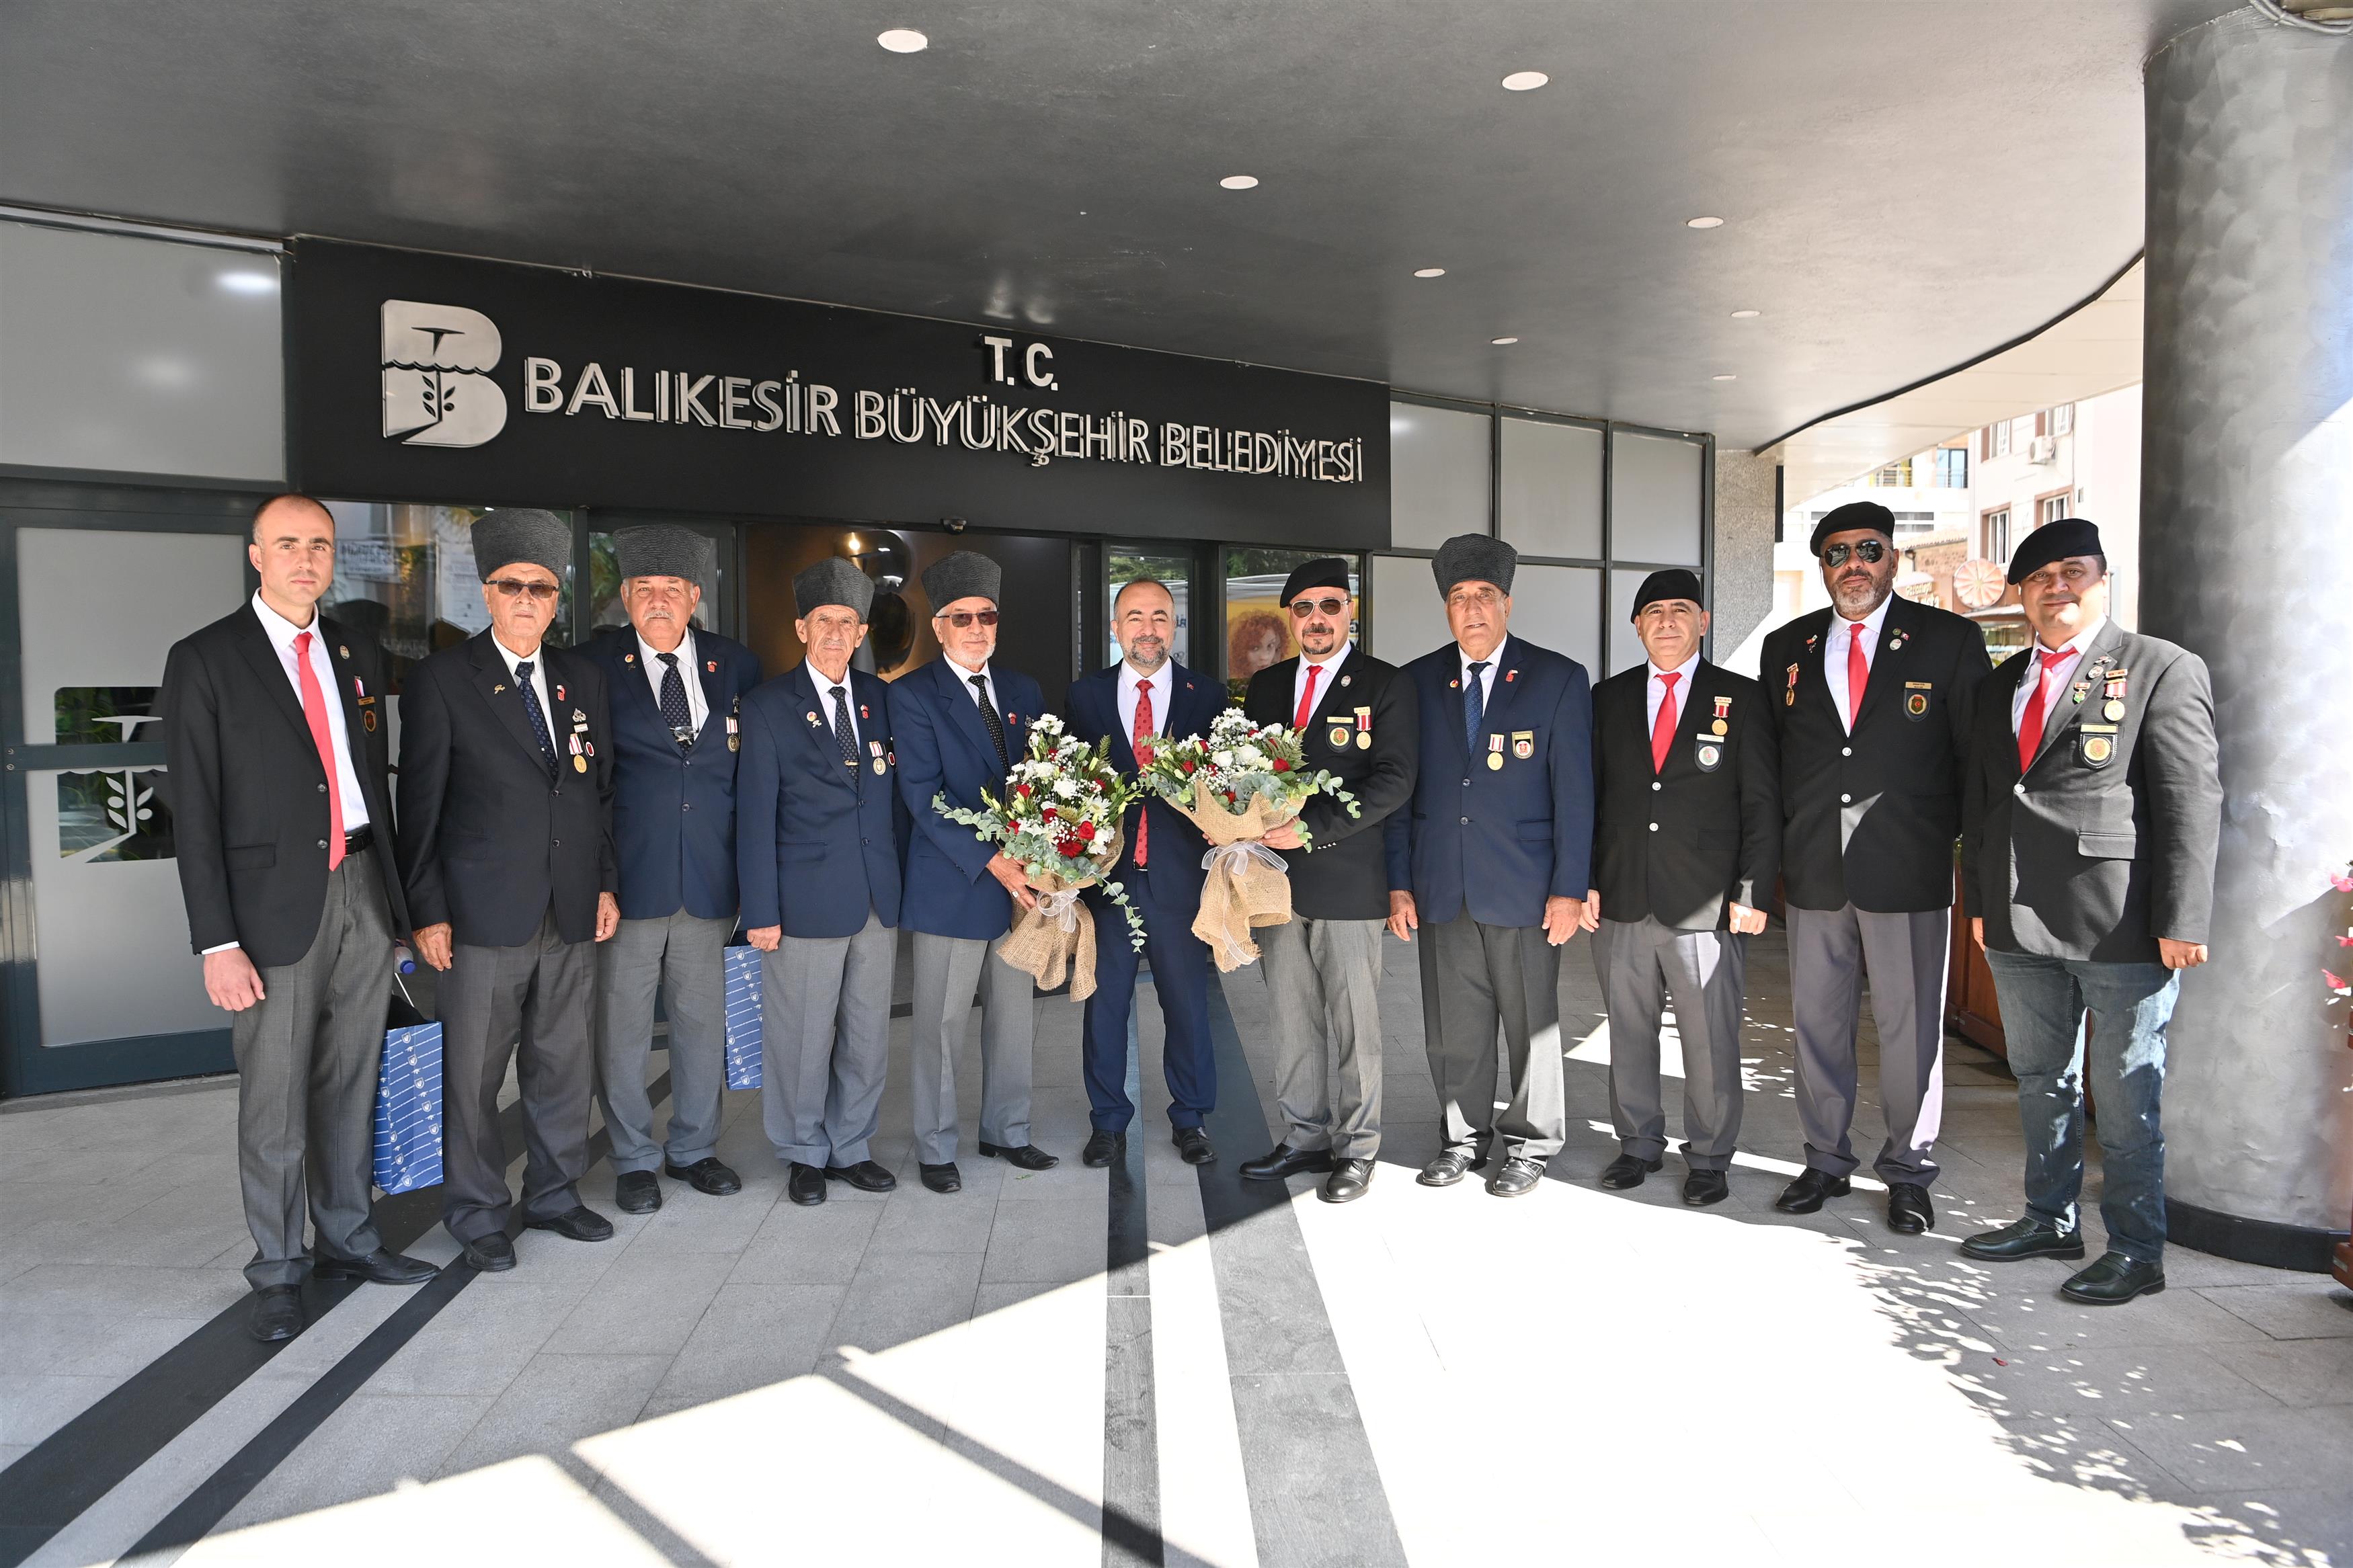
x: 1499, y: 840
x: 943, y: 748
x: 673, y: 814
x: 816, y: 843
x: 1194, y: 703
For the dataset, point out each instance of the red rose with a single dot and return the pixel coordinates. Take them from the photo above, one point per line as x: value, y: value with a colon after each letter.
x: 1048, y: 813
x: 1070, y: 845
x: 1281, y: 766
x: 1188, y: 764
x: 1229, y: 797
x: 1021, y: 790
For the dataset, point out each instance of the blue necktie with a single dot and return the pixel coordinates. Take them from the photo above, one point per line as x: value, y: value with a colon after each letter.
x: 538, y: 718
x: 842, y: 732
x: 1474, y: 706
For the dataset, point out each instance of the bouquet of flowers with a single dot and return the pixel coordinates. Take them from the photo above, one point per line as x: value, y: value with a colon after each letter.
x: 1059, y: 818
x: 1237, y: 786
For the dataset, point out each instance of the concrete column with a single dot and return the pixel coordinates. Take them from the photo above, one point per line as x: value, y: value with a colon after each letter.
x: 2247, y: 558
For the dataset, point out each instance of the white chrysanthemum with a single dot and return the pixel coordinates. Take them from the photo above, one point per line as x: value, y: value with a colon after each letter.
x: 1067, y: 788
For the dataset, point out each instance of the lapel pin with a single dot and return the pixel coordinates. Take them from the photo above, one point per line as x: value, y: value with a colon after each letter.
x: 1510, y: 676
x: 629, y: 659
x: 342, y: 651
x: 496, y: 689
x: 1346, y: 678
x: 712, y: 666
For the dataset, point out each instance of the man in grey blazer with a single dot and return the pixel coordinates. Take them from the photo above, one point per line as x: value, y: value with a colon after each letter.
x: 2090, y: 824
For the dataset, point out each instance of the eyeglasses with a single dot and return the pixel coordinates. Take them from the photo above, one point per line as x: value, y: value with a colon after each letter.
x: 541, y: 593
x: 963, y: 618
x: 1302, y: 608
x: 1871, y: 550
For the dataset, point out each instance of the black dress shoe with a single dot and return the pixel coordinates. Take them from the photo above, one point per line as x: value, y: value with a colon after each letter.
x: 1193, y: 1145
x: 866, y: 1176
x: 1702, y: 1188
x: 1283, y: 1160
x: 804, y: 1184
x: 1627, y: 1171
x: 1908, y: 1208
x: 277, y: 1313
x: 1516, y: 1177
x: 2114, y: 1280
x: 1448, y: 1167
x: 943, y: 1178
x: 378, y: 1268
x: 582, y: 1224
x: 491, y: 1253
x: 637, y: 1191
x: 2027, y: 1237
x: 705, y: 1175
x: 1029, y: 1157
x: 1103, y: 1148
x: 1805, y: 1195
x: 1347, y: 1182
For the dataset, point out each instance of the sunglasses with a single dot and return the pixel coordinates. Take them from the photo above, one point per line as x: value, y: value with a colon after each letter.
x: 510, y: 587
x: 963, y: 618
x: 1302, y: 608
x: 1870, y: 550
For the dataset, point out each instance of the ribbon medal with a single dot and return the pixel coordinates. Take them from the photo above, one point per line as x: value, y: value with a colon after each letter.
x: 2114, y: 708
x: 1364, y: 729
x: 1723, y: 725
x: 874, y: 747
x: 1789, y: 698
x: 734, y: 735
x: 1495, y: 752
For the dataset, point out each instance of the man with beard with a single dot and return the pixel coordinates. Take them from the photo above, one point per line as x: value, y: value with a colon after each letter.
x: 816, y: 850
x: 1356, y: 716
x: 1873, y: 700
x: 2093, y: 809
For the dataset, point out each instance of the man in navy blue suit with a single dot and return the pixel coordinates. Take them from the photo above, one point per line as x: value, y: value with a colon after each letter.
x: 1492, y: 863
x: 676, y: 692
x: 816, y: 849
x: 1148, y: 696
x: 963, y: 721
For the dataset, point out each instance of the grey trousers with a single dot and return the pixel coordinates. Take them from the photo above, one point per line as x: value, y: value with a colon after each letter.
x: 683, y: 957
x: 1905, y: 956
x: 532, y: 1004
x: 308, y: 1055
x: 825, y: 1042
x: 1641, y: 965
x: 949, y: 971
x: 1474, y: 978
x: 1323, y: 978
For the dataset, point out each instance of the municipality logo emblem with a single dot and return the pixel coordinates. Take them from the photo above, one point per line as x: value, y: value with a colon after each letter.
x: 437, y: 388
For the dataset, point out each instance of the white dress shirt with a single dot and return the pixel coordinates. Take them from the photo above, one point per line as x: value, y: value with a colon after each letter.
x: 690, y: 675
x: 1331, y: 672
x: 1843, y: 631
x: 963, y: 678
x: 1128, y: 680
x: 1486, y: 676
x: 2055, y: 679
x: 282, y: 634
x: 824, y: 685
x: 559, y: 725
x: 1655, y: 689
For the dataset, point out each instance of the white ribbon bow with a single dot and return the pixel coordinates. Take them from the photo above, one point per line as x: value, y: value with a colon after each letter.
x: 1240, y: 854
x: 1060, y: 908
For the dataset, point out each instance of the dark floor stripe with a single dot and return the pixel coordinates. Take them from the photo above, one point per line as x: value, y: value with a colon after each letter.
x: 1131, y: 1490
x: 61, y: 1476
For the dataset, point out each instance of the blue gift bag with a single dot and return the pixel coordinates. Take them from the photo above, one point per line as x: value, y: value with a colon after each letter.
x: 408, y: 1109
x: 743, y: 1018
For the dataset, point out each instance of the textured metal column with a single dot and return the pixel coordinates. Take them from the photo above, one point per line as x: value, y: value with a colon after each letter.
x: 2246, y: 550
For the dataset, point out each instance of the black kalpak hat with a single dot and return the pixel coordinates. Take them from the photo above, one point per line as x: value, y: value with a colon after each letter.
x: 1474, y: 558
x: 963, y: 574
x: 513, y: 533
x: 1674, y: 583
x: 833, y: 581
x: 664, y: 550
x: 1855, y: 514
x: 1329, y: 572
x: 2055, y: 542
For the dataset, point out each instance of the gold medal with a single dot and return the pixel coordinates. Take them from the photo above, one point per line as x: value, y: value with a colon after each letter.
x: 1496, y: 762
x: 877, y: 765
x: 2112, y: 710
x: 1722, y: 728
x: 579, y: 764
x: 1364, y: 740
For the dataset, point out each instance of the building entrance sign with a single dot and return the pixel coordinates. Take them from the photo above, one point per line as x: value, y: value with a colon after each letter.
x: 418, y: 377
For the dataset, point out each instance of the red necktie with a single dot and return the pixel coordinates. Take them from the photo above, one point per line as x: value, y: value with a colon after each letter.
x: 2029, y: 723
x: 314, y: 712
x: 1858, y: 672
x: 1662, y: 729
x: 1307, y: 699
x: 1140, y: 737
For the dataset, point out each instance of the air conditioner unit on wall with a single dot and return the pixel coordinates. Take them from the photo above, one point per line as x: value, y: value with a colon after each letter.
x: 2045, y: 449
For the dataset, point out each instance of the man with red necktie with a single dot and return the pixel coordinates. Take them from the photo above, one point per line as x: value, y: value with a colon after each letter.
x: 281, y: 829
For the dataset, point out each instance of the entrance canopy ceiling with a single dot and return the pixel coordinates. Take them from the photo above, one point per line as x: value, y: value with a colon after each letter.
x: 1904, y: 185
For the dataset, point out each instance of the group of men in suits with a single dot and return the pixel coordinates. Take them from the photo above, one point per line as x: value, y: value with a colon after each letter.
x: 580, y: 831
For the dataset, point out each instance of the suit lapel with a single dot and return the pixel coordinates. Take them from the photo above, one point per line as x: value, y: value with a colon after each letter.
x: 955, y: 691
x: 715, y: 703
x: 498, y: 688
x: 1813, y: 661
x: 355, y: 732
x: 2064, y: 713
x: 821, y: 735
x: 253, y: 642
x: 633, y: 675
x: 1888, y: 661
x: 1502, y: 687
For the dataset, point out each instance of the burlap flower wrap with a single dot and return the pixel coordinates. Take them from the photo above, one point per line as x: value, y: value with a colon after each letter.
x: 1247, y: 884
x: 1056, y: 939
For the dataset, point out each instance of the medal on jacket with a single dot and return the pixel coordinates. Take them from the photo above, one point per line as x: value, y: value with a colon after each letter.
x: 875, y: 747
x: 1708, y: 753
x: 366, y: 703
x: 2113, y: 708
x: 1915, y: 698
x: 734, y: 735
x: 1723, y: 725
x: 1495, y: 752
x: 1523, y: 743
x: 579, y: 763
x: 1364, y: 729
x: 1339, y: 737
x: 1789, y: 698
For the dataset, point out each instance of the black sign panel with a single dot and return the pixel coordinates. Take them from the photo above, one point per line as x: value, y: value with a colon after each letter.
x: 434, y: 378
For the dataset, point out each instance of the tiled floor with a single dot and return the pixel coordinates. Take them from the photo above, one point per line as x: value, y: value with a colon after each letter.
x: 1578, y: 1376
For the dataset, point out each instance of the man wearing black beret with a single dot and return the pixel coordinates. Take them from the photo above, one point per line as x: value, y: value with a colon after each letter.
x: 2093, y: 811
x: 1687, y: 840
x: 1357, y: 717
x: 1872, y: 700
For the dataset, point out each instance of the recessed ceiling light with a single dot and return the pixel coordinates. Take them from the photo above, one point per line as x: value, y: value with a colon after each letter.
x: 1525, y: 82
x: 1745, y: 315
x: 904, y: 41
x: 1726, y: 378
x: 1430, y: 272
x: 1703, y: 223
x: 1503, y: 342
x: 1239, y: 182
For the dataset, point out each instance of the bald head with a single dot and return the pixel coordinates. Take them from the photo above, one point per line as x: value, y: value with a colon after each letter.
x: 278, y: 508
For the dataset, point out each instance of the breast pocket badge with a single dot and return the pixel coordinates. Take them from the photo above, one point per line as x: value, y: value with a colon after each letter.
x: 1523, y: 743
x: 2099, y: 745
x: 1916, y: 698
x: 1709, y: 752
